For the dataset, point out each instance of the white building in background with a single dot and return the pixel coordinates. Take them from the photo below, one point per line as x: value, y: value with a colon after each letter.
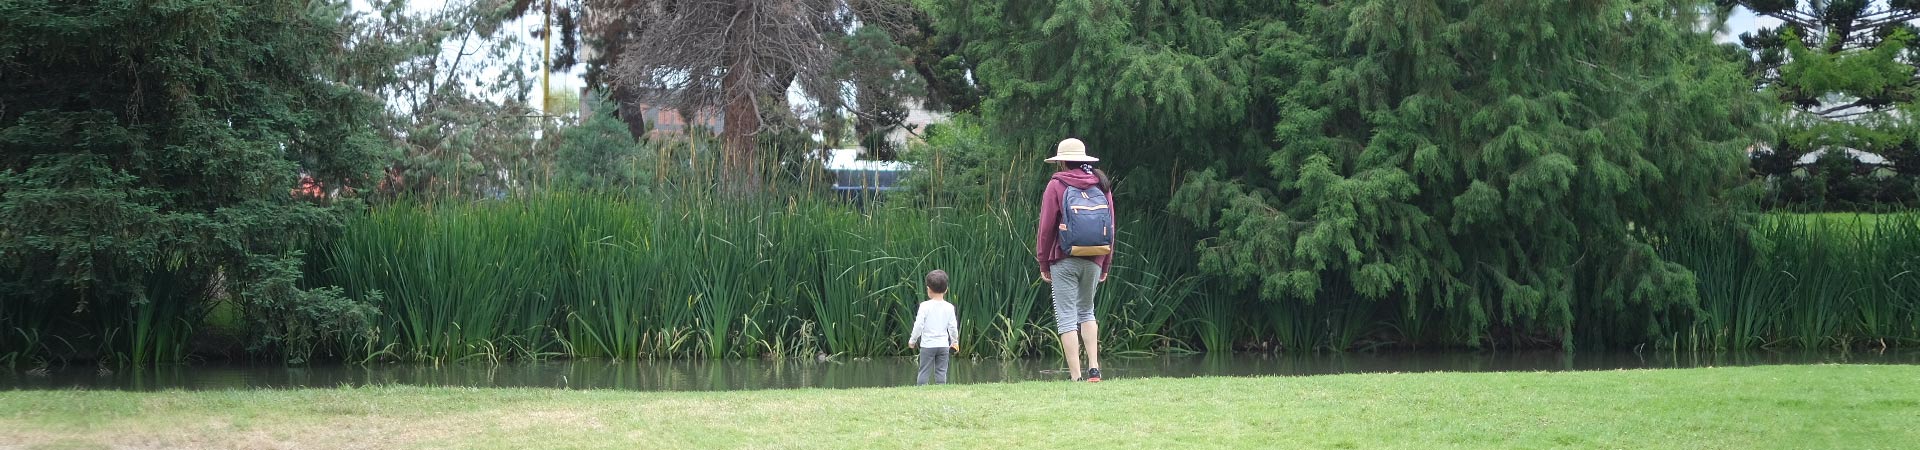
x: 1862, y: 156
x: 853, y: 174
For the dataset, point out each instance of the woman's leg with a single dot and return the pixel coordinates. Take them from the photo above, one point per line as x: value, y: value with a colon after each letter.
x: 1090, y: 337
x: 1089, y: 328
x: 1066, y: 316
x: 1070, y: 343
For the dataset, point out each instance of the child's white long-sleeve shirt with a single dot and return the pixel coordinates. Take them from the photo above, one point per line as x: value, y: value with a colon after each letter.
x: 934, y: 325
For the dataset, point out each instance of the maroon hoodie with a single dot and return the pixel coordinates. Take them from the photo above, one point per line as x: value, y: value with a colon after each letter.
x: 1047, y: 249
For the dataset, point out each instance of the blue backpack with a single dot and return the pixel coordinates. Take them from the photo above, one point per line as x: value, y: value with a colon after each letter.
x: 1086, y: 222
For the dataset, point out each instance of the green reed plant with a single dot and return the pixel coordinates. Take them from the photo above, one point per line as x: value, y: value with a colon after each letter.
x: 1825, y: 262
x: 723, y: 279
x: 1148, y: 284
x: 162, y: 320
x: 1816, y: 280
x: 854, y: 268
x: 1892, y: 314
x: 458, y: 283
x: 1742, y: 295
x: 1211, y: 316
x: 605, y: 275
x: 996, y: 282
x: 707, y: 275
x: 1334, y: 323
x: 609, y: 297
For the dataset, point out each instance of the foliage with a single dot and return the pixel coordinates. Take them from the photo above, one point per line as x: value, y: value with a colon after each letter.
x: 1814, y: 281
x: 1505, y: 182
x: 1845, y: 69
x: 600, y: 153
x: 666, y: 277
x: 147, y: 151
x: 457, y: 88
x: 733, y: 59
x: 878, y: 80
x: 1155, y: 89
x: 858, y: 61
x: 964, y: 160
x: 302, y: 324
x: 1357, y: 173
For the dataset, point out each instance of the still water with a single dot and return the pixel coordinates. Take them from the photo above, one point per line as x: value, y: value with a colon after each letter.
x: 852, y: 373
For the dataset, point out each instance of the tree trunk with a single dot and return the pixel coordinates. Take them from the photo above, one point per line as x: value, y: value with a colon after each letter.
x: 741, y: 117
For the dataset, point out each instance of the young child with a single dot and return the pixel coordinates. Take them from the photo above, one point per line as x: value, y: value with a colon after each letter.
x: 935, y: 330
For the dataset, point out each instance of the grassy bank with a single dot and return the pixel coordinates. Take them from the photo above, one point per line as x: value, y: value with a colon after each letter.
x: 1853, y: 407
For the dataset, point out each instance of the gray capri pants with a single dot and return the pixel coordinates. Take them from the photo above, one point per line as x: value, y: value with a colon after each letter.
x: 1074, y: 282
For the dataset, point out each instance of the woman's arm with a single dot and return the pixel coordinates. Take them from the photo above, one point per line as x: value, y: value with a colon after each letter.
x: 1047, y: 235
x: 1113, y: 224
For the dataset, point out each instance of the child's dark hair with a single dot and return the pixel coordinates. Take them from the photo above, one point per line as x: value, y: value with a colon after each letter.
x: 937, y: 281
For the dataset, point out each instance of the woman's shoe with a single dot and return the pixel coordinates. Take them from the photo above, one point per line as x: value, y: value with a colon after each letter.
x: 1093, y: 375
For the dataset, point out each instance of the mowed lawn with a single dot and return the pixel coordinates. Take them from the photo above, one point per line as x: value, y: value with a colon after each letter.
x: 1825, y: 406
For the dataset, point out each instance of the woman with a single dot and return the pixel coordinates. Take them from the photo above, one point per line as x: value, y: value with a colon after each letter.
x: 1074, y: 246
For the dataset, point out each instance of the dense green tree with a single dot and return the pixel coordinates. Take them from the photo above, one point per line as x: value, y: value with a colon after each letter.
x: 599, y: 153
x: 1506, y: 167
x: 148, y: 151
x: 1846, y: 69
x: 1154, y: 88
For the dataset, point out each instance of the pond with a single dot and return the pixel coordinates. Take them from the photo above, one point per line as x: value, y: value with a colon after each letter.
x: 705, y: 375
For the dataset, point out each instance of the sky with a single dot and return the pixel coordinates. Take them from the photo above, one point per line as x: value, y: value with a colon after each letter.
x: 1743, y: 21
x: 521, y: 29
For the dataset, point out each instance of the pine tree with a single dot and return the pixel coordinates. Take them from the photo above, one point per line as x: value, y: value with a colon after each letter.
x: 1505, y: 167
x: 600, y: 153
x: 148, y: 151
x: 1846, y: 70
x: 1154, y: 88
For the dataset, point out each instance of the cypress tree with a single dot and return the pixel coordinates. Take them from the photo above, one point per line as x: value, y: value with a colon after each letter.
x: 148, y: 151
x: 1504, y: 167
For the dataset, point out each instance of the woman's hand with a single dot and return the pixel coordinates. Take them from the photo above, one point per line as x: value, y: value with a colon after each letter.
x: 1047, y: 277
x: 1103, y: 277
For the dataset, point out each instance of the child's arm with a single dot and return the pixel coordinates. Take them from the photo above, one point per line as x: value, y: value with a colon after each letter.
x: 953, y: 328
x: 919, y: 326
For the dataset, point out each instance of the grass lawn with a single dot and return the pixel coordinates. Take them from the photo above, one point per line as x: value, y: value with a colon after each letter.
x: 1831, y: 406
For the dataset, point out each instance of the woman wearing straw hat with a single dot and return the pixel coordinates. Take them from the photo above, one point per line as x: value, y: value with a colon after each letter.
x: 1074, y: 246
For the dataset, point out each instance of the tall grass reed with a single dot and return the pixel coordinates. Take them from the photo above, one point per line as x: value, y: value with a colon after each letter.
x: 1803, y: 281
x: 608, y: 276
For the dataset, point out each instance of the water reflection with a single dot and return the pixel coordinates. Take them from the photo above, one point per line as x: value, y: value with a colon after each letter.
x: 743, y: 374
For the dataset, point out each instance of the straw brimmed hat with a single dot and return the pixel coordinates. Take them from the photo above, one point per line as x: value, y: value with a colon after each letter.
x: 1071, y: 150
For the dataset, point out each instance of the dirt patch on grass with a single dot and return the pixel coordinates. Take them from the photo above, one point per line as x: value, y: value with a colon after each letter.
x: 345, y: 432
